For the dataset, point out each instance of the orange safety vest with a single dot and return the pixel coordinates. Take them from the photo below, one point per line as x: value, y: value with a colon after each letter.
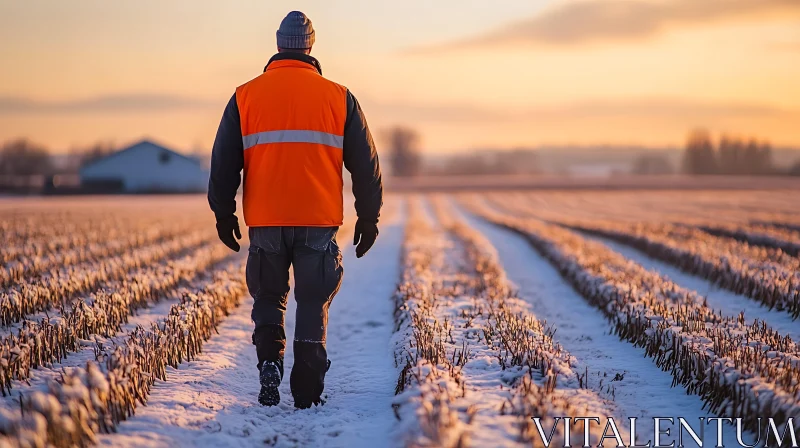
x: 293, y: 132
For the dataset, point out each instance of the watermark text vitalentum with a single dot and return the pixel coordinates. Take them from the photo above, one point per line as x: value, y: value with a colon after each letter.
x: 667, y: 432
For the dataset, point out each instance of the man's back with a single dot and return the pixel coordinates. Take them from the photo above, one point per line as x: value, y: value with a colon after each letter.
x: 293, y: 123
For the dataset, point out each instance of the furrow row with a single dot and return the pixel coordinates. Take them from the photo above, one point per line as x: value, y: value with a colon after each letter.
x: 55, y: 287
x: 39, y: 236
x: 767, y: 275
x: 95, y: 398
x: 87, y: 251
x: 475, y: 363
x: 770, y: 278
x: 103, y: 313
x: 539, y: 371
x: 759, y: 235
x: 429, y: 379
x: 738, y: 369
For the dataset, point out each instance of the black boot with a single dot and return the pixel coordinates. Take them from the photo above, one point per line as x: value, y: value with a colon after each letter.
x: 308, y: 373
x: 270, y: 342
x: 270, y: 377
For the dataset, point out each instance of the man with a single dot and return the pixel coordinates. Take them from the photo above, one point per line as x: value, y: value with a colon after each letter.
x: 290, y: 130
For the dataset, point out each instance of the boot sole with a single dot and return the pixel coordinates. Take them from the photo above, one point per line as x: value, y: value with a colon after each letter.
x: 271, y: 379
x: 269, y: 396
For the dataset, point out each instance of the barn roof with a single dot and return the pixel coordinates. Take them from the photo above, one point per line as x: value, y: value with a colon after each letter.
x: 139, y: 145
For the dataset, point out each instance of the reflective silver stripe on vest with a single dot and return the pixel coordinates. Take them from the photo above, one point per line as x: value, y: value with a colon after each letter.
x: 323, y: 138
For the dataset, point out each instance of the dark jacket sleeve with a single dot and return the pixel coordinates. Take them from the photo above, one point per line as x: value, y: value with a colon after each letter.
x: 227, y: 162
x: 361, y: 160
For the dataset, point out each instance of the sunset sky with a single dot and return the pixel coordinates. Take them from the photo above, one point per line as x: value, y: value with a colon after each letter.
x: 465, y: 73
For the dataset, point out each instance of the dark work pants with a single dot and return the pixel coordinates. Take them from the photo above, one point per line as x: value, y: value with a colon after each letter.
x: 317, y: 262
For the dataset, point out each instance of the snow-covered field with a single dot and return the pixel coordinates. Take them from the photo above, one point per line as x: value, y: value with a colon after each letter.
x: 125, y: 322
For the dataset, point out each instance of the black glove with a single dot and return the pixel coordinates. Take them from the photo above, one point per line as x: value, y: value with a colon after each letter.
x: 367, y: 232
x: 227, y: 228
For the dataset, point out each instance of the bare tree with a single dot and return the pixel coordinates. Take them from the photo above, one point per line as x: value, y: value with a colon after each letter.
x: 23, y: 158
x: 758, y: 158
x: 405, y: 157
x: 736, y: 157
x: 699, y: 156
x: 733, y: 156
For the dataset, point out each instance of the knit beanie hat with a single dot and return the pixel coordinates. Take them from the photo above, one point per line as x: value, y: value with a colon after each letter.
x: 295, y: 32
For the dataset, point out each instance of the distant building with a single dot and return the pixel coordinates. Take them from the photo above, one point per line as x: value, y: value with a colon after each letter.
x: 145, y: 167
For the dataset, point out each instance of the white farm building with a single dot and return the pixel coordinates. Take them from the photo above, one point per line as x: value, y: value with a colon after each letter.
x: 144, y: 167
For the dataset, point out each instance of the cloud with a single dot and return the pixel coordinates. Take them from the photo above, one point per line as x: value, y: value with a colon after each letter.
x: 450, y: 113
x: 586, y: 21
x: 108, y: 104
x: 666, y: 107
x: 655, y: 108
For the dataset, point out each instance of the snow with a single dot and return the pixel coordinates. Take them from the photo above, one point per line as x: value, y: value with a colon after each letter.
x: 441, y: 403
x: 42, y: 376
x: 730, y: 303
x: 484, y: 373
x: 211, y: 401
x: 644, y: 390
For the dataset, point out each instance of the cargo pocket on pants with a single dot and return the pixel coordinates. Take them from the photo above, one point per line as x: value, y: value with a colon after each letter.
x: 334, y: 270
x: 253, y: 271
x: 264, y: 242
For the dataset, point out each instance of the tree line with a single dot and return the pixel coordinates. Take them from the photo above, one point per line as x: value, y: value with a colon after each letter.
x: 728, y: 155
x: 22, y: 157
x: 701, y: 155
